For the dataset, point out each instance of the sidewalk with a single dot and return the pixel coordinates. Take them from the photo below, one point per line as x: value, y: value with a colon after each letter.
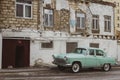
x: 35, y: 69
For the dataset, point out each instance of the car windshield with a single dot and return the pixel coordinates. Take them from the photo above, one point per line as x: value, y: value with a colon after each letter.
x: 80, y: 50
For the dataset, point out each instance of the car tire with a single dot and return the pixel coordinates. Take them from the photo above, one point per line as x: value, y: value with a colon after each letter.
x: 106, y: 67
x: 61, y: 68
x: 75, y: 67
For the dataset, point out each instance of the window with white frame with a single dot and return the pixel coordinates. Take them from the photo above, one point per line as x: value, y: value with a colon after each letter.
x: 48, y: 17
x: 24, y: 8
x: 107, y: 23
x: 95, y: 22
x: 80, y: 20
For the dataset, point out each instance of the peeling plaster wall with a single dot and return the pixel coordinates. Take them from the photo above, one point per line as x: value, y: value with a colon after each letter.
x: 60, y: 4
x: 37, y: 52
x: 59, y: 44
x: 60, y: 38
x: 102, y: 10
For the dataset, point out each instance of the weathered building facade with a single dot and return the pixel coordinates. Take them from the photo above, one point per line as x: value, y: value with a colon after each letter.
x: 117, y: 21
x: 33, y: 30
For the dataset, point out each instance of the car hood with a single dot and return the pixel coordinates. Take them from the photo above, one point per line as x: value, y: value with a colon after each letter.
x: 69, y: 55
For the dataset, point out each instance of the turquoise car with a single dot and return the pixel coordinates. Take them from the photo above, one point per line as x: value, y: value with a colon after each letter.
x: 84, y: 58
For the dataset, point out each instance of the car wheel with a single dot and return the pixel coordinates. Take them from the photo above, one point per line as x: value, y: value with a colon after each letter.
x: 106, y: 67
x: 76, y: 67
x: 61, y: 67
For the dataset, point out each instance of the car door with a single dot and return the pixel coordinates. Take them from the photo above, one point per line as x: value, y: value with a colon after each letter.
x: 90, y: 60
x: 100, y: 57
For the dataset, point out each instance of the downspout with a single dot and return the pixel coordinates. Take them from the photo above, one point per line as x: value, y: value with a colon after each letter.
x: 41, y: 27
x: 38, y: 18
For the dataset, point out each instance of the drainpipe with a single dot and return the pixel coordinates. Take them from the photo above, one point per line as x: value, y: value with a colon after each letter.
x: 41, y: 27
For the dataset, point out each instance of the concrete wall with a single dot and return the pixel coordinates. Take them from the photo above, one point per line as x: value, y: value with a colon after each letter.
x: 109, y: 46
x: 59, y: 44
x: 118, y: 52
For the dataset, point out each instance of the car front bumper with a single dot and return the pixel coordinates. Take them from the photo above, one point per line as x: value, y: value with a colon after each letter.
x: 62, y: 63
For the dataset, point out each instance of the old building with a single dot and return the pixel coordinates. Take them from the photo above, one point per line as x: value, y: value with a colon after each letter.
x: 33, y: 30
x: 117, y: 15
x: 117, y: 21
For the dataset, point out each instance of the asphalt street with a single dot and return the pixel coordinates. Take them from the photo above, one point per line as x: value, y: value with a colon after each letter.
x: 55, y: 74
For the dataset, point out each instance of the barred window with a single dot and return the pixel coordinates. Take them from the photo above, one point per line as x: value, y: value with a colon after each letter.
x: 47, y: 44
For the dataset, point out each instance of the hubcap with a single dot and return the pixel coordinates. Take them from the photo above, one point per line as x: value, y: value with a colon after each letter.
x: 106, y: 67
x: 75, y: 67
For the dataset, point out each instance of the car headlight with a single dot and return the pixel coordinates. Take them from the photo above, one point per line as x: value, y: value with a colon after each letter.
x: 53, y: 56
x: 65, y: 58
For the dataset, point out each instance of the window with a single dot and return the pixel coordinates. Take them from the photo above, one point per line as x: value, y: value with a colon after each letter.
x: 80, y: 20
x: 47, y: 45
x: 118, y: 25
x: 80, y: 51
x: 91, y: 52
x: 118, y: 11
x: 107, y: 23
x: 99, y: 53
x: 118, y: 18
x: 95, y: 22
x: 48, y: 17
x: 24, y: 8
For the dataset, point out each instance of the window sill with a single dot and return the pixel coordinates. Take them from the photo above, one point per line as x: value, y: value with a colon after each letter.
x: 46, y: 48
x: 95, y: 31
x: 107, y: 31
x: 23, y: 17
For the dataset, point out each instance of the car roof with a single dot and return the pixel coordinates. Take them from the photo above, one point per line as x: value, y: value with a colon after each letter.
x: 90, y: 48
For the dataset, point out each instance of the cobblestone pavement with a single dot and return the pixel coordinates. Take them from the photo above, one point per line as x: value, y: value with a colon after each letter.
x: 55, y: 74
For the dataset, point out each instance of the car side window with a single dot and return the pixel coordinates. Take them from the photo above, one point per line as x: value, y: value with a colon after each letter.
x: 99, y: 53
x: 91, y: 52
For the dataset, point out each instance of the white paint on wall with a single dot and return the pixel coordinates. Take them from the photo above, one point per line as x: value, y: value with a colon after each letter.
x: 102, y: 10
x: 59, y: 44
x: 47, y: 1
x: 60, y: 38
x: 118, y: 52
x: 62, y: 4
x: 60, y: 47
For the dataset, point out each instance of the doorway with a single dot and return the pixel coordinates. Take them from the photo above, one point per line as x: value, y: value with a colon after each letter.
x: 15, y: 53
x: 19, y: 55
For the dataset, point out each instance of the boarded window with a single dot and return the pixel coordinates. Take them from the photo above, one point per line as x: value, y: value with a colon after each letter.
x: 71, y: 46
x: 107, y: 23
x: 94, y: 45
x: 47, y: 45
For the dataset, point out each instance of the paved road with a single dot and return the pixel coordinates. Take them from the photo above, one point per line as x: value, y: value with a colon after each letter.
x: 55, y: 74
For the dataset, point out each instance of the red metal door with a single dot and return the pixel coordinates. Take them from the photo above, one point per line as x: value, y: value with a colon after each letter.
x: 15, y: 53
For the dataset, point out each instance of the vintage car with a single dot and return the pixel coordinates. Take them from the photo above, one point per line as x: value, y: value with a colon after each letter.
x: 84, y: 58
